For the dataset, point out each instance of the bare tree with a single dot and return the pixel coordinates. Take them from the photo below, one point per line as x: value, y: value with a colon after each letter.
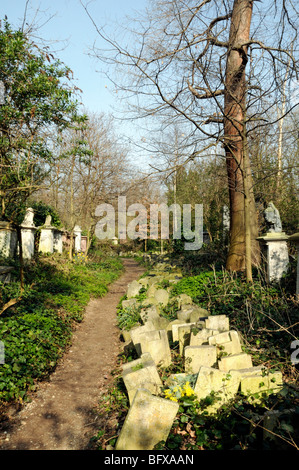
x: 217, y: 65
x: 81, y: 179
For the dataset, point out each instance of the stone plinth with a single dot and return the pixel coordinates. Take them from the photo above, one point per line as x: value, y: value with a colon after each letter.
x: 77, y: 234
x: 57, y: 240
x: 46, y: 242
x: 28, y: 236
x: 83, y: 243
x: 28, y: 230
x: 277, y: 256
x: 8, y: 240
x: 295, y: 239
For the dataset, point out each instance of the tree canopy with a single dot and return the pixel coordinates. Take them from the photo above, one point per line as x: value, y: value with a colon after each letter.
x: 37, y: 96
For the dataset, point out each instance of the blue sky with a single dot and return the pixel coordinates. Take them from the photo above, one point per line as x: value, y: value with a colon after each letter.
x: 71, y: 25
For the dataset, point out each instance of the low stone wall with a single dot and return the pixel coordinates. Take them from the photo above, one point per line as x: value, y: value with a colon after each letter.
x: 214, y: 361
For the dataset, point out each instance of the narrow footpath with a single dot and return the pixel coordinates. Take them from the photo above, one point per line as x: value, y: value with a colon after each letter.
x: 61, y: 414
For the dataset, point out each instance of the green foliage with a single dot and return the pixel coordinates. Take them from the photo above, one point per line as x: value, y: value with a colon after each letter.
x: 128, y: 317
x: 36, y: 96
x: 38, y: 328
x: 262, y: 313
x: 41, y: 210
x: 238, y: 425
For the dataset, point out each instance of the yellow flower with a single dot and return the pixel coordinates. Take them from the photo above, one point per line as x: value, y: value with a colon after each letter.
x: 188, y: 390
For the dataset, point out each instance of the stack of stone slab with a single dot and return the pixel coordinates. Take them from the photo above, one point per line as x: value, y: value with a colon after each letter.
x: 212, y: 354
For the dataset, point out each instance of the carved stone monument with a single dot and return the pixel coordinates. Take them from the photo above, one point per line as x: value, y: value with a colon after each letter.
x: 77, y: 234
x: 46, y: 242
x: 28, y: 218
x: 57, y: 240
x: 28, y: 230
x: 274, y: 244
x: 272, y: 219
x: 8, y: 240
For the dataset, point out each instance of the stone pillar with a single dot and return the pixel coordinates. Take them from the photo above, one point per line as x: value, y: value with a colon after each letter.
x: 8, y: 240
x: 28, y: 230
x: 276, y: 254
x: 46, y: 242
x: 295, y: 239
x: 77, y: 234
x: 57, y: 240
x: 83, y: 243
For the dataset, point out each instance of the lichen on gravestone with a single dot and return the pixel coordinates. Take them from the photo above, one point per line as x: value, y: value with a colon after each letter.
x: 147, y: 423
x: 141, y: 373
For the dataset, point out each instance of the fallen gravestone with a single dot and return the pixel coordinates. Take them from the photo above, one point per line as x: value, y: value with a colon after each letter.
x: 148, y: 422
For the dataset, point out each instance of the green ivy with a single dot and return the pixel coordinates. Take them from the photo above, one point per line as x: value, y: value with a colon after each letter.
x: 36, y: 330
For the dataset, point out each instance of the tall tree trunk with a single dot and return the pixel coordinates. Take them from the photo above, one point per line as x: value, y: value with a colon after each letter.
x: 234, y: 130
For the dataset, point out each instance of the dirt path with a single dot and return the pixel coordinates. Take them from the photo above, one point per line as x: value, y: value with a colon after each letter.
x: 61, y: 415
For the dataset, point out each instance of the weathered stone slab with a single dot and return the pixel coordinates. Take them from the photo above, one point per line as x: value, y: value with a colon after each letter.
x: 257, y: 386
x: 219, y: 338
x: 191, y: 313
x: 255, y: 370
x: 149, y: 301
x: 199, y: 356
x: 199, y: 337
x: 144, y: 281
x: 184, y: 299
x: 184, y: 333
x: 141, y: 373
x: 236, y: 361
x: 129, y: 303
x: 169, y: 328
x: 173, y: 278
x: 175, y: 326
x: 126, y: 335
x: 154, y: 279
x: 162, y: 296
x: 174, y: 379
x: 151, y: 290
x: 183, y: 315
x: 137, y: 334
x: 148, y: 422
x: 149, y: 313
x: 156, y: 343
x: 133, y: 289
x: 228, y: 341
x: 217, y: 322
x: 8, y: 240
x: 210, y: 380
